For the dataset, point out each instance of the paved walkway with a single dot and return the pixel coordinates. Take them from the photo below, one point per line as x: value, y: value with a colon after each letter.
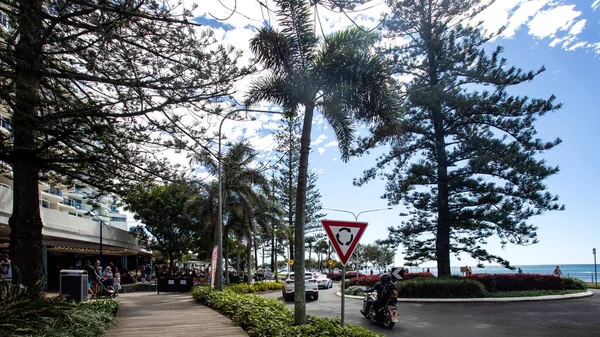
x: 146, y: 314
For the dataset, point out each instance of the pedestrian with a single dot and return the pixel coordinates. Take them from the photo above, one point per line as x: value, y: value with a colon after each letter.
x: 428, y: 270
x: 520, y: 271
x: 148, y: 272
x: 371, y: 271
x: 557, y: 272
x: 6, y: 269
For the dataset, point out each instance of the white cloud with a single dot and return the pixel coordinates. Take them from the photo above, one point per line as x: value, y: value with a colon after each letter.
x: 319, y: 140
x: 547, y: 23
x: 578, y: 27
x: 331, y: 144
x: 577, y: 45
x: 521, y: 15
x: 595, y: 4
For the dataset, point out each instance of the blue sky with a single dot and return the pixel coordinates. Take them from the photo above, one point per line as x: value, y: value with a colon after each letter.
x: 563, y: 36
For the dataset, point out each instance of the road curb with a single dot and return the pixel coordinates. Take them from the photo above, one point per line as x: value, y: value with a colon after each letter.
x: 484, y: 300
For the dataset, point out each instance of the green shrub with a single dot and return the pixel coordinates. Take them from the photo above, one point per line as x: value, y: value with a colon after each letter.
x: 260, y: 316
x: 354, y: 290
x: 571, y: 283
x: 29, y: 312
x: 256, y: 287
x: 440, y: 288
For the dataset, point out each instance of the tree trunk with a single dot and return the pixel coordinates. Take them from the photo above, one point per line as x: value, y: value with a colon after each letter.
x: 442, y: 240
x: 170, y: 264
x: 249, y: 258
x: 299, y: 264
x: 226, y: 256
x: 290, y: 199
x: 273, y: 252
x: 25, y: 222
x: 255, y: 252
x: 238, y: 257
x: 26, y: 226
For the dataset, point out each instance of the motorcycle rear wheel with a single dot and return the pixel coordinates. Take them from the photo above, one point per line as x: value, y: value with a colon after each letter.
x: 388, y: 321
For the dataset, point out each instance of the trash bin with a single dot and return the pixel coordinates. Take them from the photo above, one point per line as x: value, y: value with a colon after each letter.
x: 74, y: 284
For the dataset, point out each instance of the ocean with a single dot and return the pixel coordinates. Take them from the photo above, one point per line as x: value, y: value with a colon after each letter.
x: 583, y: 272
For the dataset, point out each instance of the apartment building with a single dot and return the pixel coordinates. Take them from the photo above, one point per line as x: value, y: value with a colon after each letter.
x: 72, y: 218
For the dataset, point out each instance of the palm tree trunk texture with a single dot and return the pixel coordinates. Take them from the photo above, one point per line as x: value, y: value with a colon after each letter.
x: 299, y: 265
x: 249, y: 259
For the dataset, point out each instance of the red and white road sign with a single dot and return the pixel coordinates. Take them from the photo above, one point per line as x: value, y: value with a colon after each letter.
x: 344, y: 235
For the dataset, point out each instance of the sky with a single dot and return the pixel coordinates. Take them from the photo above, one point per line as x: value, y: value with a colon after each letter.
x: 562, y: 36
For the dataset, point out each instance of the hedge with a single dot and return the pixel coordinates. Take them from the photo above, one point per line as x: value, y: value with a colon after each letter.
x: 366, y: 281
x: 349, y: 275
x: 440, y: 288
x: 256, y: 287
x: 410, y: 276
x: 519, y: 282
x: 260, y: 316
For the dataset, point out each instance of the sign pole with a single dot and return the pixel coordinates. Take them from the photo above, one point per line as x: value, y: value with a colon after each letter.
x: 595, y: 268
x: 343, y: 292
x: 344, y: 236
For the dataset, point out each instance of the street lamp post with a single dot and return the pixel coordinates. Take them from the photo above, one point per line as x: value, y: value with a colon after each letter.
x: 219, y: 270
x: 102, y: 224
x: 344, y: 266
x: 359, y: 213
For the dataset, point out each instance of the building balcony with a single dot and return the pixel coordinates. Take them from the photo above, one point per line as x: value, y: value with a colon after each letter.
x: 51, y: 197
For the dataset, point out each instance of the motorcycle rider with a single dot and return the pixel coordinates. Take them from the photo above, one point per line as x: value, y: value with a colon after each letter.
x: 384, y: 288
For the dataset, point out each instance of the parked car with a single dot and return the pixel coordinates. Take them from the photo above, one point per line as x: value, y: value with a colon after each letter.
x: 263, y: 274
x: 323, y: 281
x: 311, y: 288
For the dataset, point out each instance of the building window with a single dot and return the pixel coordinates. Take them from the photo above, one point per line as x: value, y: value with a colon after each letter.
x: 4, y: 21
x: 4, y: 122
x: 55, y: 191
x: 114, y: 209
x: 115, y: 219
x: 45, y: 204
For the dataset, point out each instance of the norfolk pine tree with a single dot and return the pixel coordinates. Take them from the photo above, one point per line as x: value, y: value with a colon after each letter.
x: 467, y: 160
x: 288, y: 145
x: 90, y: 86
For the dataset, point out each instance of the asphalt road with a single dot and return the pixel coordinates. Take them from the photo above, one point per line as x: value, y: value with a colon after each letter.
x: 572, y: 317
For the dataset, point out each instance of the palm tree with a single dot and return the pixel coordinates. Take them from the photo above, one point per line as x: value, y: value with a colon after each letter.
x: 239, y: 182
x: 342, y: 77
x: 321, y: 248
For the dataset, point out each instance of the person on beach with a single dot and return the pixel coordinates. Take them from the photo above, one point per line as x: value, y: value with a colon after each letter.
x: 557, y: 272
x: 520, y: 271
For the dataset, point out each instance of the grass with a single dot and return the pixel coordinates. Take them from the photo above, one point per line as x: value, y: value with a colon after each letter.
x: 531, y: 293
x: 592, y: 285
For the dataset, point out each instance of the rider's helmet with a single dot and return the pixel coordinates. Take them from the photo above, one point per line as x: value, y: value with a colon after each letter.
x: 384, y: 278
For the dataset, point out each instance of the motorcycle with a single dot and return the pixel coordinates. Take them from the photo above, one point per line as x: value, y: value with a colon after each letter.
x: 386, y: 315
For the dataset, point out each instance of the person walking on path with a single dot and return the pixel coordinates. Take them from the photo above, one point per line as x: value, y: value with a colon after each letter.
x: 557, y: 272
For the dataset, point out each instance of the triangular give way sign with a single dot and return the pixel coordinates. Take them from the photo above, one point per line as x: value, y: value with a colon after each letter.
x: 344, y: 235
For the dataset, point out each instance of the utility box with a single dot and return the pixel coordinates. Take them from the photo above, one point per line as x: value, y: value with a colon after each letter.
x: 74, y: 284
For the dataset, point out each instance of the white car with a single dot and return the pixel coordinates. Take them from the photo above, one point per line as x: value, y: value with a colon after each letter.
x: 323, y: 281
x: 311, y: 288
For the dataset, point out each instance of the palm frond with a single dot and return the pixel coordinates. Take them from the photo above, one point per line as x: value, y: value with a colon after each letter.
x: 296, y: 19
x: 272, y: 49
x: 276, y: 89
